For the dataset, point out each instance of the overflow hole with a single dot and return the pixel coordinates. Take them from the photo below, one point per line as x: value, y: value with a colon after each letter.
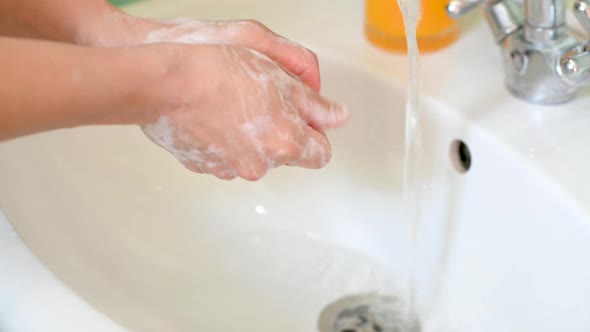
x: 460, y: 156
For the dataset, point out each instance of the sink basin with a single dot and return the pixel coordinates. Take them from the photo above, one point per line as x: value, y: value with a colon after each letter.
x: 153, y: 247
x: 105, y: 232
x: 157, y: 248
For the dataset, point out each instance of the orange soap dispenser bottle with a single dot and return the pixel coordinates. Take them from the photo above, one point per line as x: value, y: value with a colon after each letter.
x: 384, y: 25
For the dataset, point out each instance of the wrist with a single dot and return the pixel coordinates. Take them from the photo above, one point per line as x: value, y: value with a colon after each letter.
x: 121, y: 86
x: 170, y: 78
x: 114, y: 28
x: 148, y: 90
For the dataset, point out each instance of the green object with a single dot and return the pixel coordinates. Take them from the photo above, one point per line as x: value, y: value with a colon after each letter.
x: 122, y: 2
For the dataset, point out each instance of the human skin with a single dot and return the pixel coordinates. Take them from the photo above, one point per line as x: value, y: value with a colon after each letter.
x: 230, y: 98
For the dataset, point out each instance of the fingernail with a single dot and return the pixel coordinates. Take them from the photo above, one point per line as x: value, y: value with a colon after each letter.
x: 336, y: 116
x: 344, y: 112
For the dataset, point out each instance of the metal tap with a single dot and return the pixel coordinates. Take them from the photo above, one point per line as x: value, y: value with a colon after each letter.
x: 544, y: 62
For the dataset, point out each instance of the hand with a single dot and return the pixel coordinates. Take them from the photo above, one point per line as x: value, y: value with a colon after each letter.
x: 119, y: 29
x: 231, y: 111
x: 257, y: 105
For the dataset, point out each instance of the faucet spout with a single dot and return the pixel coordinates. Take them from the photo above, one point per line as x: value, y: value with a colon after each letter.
x: 544, y: 20
x: 545, y: 14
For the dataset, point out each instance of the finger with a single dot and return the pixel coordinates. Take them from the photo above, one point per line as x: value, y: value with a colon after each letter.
x: 317, y: 152
x: 294, y: 58
x: 319, y: 112
x: 297, y: 60
x: 205, y: 166
x: 288, y: 142
x: 251, y: 169
x: 224, y: 173
x: 288, y: 153
x: 194, y: 167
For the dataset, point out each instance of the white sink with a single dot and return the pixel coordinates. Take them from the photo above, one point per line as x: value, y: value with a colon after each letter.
x: 157, y: 248
x: 152, y: 247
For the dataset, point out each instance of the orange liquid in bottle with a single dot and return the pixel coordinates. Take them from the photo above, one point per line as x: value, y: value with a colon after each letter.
x: 384, y: 25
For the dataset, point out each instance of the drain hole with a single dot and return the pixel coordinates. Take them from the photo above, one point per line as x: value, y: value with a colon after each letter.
x: 366, y: 313
x: 460, y: 156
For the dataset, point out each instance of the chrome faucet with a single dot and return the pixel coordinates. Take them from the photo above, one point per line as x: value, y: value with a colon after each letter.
x: 544, y: 62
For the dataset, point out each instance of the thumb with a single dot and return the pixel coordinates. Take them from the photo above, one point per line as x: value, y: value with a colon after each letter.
x: 294, y: 58
x: 319, y: 112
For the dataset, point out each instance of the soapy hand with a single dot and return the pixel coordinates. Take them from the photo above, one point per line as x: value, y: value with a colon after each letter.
x: 231, y: 111
x: 293, y: 57
x: 241, y: 99
x: 260, y: 109
x: 229, y: 98
x: 122, y: 30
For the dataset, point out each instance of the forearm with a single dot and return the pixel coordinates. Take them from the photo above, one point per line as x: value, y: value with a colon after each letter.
x: 71, y: 21
x: 46, y: 86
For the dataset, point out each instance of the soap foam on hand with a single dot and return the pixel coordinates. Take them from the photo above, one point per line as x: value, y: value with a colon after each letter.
x: 292, y: 56
x: 273, y: 118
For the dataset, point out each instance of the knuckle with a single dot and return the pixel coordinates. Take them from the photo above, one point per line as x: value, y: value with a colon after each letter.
x: 319, y: 152
x: 289, y: 150
x: 290, y: 140
x: 254, y: 25
x: 253, y: 172
x: 225, y: 174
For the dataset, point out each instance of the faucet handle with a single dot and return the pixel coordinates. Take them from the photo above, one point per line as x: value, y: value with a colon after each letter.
x: 458, y: 8
x: 504, y: 18
x: 582, y: 13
